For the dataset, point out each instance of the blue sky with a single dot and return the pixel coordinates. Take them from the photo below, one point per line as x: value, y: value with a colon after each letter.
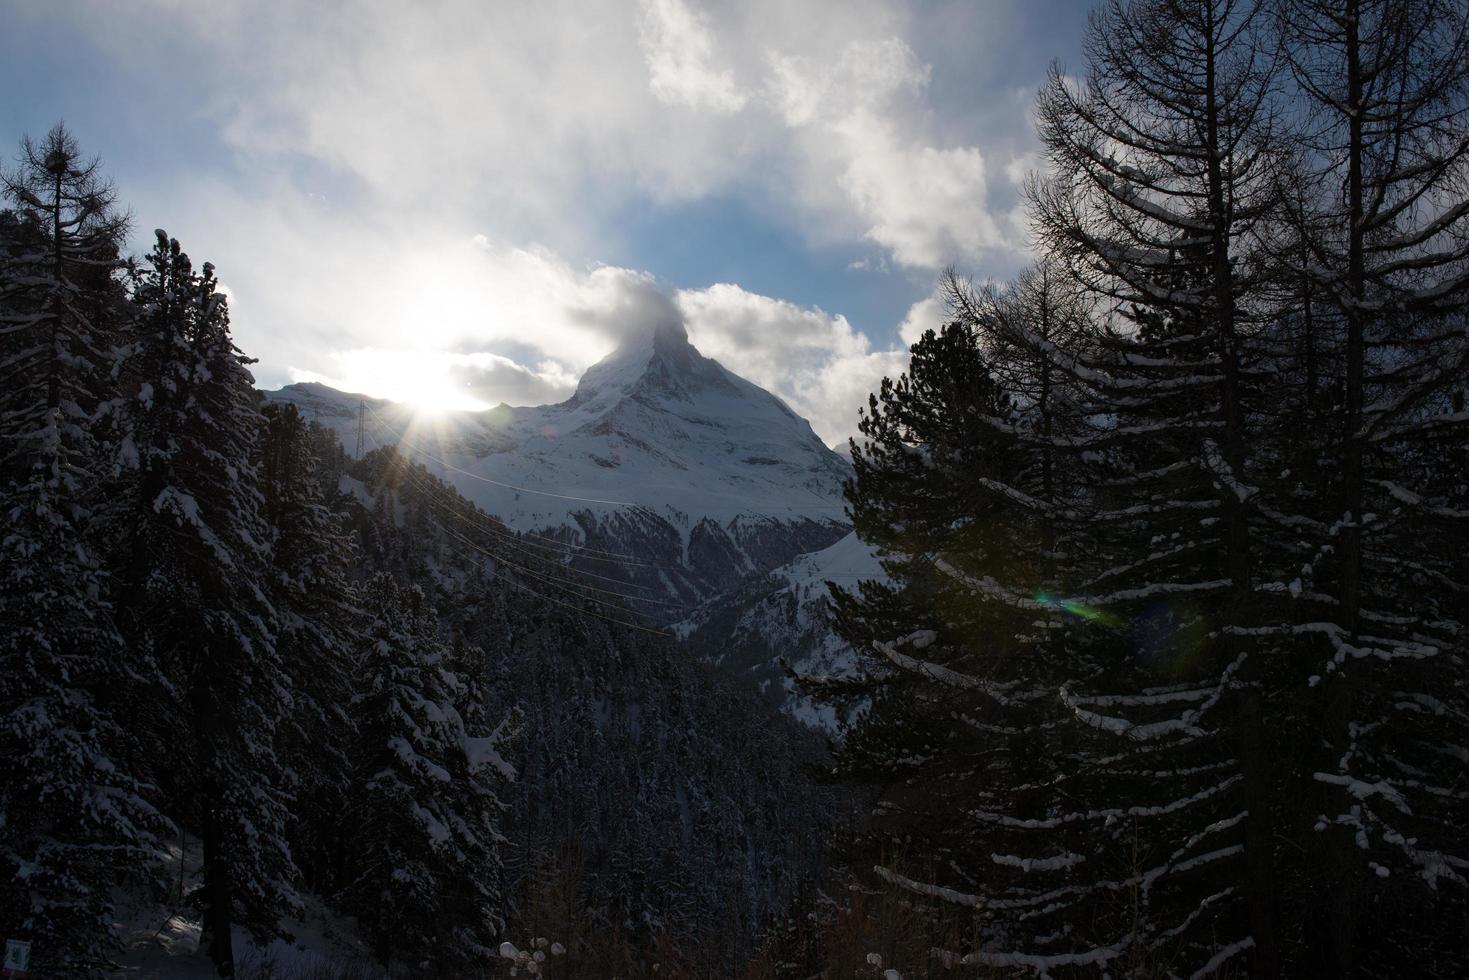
x: 463, y: 203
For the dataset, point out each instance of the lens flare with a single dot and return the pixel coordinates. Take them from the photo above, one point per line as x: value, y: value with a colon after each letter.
x: 1089, y: 613
x: 1171, y: 638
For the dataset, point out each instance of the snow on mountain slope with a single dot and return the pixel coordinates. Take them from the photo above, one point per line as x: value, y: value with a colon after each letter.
x: 658, y: 425
x: 661, y: 454
x: 786, y: 614
x: 848, y: 560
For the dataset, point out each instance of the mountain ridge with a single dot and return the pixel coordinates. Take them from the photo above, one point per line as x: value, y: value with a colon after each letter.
x: 661, y: 454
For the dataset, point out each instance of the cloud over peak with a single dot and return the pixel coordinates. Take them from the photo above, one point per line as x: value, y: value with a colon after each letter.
x: 366, y: 143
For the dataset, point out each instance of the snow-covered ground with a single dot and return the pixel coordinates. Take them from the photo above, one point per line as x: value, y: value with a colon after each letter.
x: 162, y: 940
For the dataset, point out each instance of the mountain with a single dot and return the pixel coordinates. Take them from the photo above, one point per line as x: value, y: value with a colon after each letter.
x: 785, y: 614
x: 665, y: 471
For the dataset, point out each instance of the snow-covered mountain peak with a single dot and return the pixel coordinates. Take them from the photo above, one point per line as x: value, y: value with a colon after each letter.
x: 656, y: 363
x: 658, y: 443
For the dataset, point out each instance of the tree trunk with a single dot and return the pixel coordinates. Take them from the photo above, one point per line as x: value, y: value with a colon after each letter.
x: 58, y: 307
x: 218, y: 940
x: 1249, y: 707
x: 1340, y: 937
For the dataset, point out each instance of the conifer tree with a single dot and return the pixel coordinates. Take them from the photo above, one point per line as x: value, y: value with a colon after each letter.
x: 319, y: 617
x: 1383, y: 236
x: 1151, y: 779
x: 964, y: 734
x: 76, y: 819
x: 193, y: 567
x: 1262, y: 540
x: 424, y: 879
x: 1162, y: 170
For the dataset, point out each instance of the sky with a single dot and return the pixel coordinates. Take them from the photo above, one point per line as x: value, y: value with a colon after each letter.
x: 464, y: 202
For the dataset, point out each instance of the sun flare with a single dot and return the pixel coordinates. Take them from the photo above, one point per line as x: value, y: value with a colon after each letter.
x: 424, y: 379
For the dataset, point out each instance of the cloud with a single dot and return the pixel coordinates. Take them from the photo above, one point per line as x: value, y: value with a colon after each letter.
x: 678, y: 47
x: 471, y: 322
x: 615, y: 302
x: 869, y: 75
x: 816, y: 361
x: 554, y: 118
x: 331, y: 281
x: 441, y: 379
x: 926, y: 314
x: 415, y: 182
x: 927, y: 205
x: 492, y: 379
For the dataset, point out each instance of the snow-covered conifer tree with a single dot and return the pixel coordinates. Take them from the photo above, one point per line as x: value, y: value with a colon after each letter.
x: 75, y: 815
x: 317, y: 605
x: 193, y: 570
x: 424, y: 872
x: 1263, y: 538
x: 1142, y: 770
x: 1382, y: 240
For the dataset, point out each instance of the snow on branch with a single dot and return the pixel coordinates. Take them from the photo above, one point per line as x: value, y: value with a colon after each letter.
x: 1109, y: 815
x: 1224, y: 954
x: 1362, y: 790
x: 1042, y: 962
x: 944, y: 675
x: 1186, y: 724
x: 1218, y: 467
x: 990, y: 588
x: 1140, y: 700
x: 1363, y: 647
x: 1059, y: 862
x: 1159, y: 589
x: 1405, y: 496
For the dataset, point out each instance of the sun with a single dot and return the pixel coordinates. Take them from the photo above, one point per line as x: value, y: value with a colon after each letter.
x: 424, y: 379
x: 433, y: 395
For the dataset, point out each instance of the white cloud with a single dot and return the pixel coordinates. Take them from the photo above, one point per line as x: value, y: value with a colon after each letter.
x: 679, y: 47
x: 927, y: 205
x: 441, y: 379
x: 332, y: 283
x: 869, y: 75
x: 435, y: 183
x: 814, y: 360
x: 554, y: 117
x: 472, y: 321
x: 926, y: 314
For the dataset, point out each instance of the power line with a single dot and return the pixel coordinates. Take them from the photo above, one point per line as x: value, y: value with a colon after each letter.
x: 567, y: 584
x: 513, y: 540
x: 487, y: 524
x: 585, y: 612
x: 511, y: 579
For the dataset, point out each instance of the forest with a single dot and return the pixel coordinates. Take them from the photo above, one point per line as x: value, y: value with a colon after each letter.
x: 1167, y: 675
